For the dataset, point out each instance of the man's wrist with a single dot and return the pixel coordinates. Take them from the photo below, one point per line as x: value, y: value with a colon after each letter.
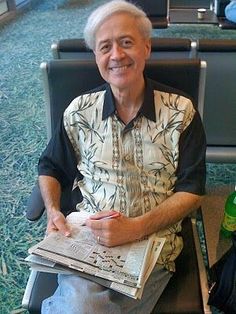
x: 140, y: 227
x: 145, y: 225
x: 52, y: 210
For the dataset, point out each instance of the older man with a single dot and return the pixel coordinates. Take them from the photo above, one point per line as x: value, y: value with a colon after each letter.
x: 131, y: 145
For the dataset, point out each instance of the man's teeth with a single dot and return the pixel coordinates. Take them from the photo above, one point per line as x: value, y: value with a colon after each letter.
x: 119, y: 68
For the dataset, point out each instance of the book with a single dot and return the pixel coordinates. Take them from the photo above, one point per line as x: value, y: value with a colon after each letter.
x: 124, y: 268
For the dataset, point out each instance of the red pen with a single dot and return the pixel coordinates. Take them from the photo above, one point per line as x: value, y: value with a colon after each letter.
x: 113, y: 215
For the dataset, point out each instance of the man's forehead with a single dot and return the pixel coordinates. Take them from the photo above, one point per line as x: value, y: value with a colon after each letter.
x: 115, y: 37
x: 118, y: 34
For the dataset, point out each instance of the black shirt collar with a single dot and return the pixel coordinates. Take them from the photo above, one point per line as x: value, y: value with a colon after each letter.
x: 147, y: 109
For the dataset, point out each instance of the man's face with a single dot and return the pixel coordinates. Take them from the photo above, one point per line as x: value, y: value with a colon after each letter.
x: 121, y: 51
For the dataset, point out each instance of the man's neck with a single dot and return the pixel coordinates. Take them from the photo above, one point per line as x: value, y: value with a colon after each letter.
x: 128, y: 102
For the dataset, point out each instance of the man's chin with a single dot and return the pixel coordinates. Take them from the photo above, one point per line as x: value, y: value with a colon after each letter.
x: 119, y: 85
x: 120, y: 81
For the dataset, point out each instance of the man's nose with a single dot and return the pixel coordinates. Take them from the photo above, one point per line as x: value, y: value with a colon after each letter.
x: 117, y: 51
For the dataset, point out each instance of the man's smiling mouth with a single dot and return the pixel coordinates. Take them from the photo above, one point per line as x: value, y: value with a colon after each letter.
x: 119, y: 69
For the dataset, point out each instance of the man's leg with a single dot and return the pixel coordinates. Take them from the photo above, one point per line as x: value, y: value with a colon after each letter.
x: 76, y: 295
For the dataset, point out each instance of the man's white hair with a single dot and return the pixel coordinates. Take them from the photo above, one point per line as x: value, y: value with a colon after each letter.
x: 99, y: 15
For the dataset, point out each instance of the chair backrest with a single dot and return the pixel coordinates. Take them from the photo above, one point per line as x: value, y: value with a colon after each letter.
x: 186, y: 4
x: 157, y: 11
x: 162, y: 48
x: 173, y: 48
x: 152, y: 8
x: 73, y: 48
x: 220, y: 98
x: 66, y: 79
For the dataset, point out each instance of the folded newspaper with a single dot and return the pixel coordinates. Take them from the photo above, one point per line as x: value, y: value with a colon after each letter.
x: 123, y: 268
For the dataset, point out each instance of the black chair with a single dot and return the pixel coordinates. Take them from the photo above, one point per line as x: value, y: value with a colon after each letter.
x: 162, y: 48
x: 220, y: 98
x: 157, y: 11
x: 172, y: 48
x: 73, y: 48
x: 64, y: 80
x: 187, y: 4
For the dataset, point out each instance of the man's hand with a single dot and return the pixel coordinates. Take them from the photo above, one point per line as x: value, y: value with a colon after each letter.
x: 51, y: 192
x: 57, y: 222
x: 111, y: 230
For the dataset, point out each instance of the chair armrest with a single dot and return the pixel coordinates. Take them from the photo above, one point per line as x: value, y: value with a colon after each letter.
x: 40, y: 286
x: 35, y: 205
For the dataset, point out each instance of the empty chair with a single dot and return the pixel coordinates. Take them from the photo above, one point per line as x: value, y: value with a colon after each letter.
x: 64, y: 80
x: 186, y: 4
x: 220, y: 98
x: 157, y: 11
x: 173, y: 48
x: 73, y: 48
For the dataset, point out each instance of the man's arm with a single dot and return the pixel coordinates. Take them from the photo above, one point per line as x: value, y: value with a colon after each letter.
x: 51, y: 193
x: 121, y: 230
x: 172, y: 210
x: 57, y: 169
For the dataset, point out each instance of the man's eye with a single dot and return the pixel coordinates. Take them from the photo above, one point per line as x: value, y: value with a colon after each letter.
x: 105, y: 48
x: 126, y: 43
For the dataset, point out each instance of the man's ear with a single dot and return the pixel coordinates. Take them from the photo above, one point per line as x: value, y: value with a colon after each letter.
x: 95, y: 56
x: 148, y: 47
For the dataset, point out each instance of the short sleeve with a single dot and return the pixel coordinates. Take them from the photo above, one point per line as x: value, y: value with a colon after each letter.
x: 191, y: 170
x: 58, y: 159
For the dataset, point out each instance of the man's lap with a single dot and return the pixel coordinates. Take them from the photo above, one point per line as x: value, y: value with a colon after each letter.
x: 76, y: 295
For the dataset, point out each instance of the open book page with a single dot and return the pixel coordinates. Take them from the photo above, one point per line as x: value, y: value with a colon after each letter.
x: 127, y: 264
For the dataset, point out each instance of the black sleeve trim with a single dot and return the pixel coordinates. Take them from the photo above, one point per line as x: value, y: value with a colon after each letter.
x: 191, y: 170
x: 58, y: 159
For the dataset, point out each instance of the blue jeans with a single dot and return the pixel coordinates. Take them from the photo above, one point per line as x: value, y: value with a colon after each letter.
x: 76, y: 295
x: 230, y: 11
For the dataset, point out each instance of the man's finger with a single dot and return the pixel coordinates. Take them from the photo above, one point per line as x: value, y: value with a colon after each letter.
x: 60, y: 224
x: 63, y: 228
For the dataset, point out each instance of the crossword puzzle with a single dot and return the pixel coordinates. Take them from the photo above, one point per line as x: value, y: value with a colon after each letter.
x: 105, y: 260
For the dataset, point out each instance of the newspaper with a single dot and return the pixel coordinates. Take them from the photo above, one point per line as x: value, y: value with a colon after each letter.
x: 123, y: 268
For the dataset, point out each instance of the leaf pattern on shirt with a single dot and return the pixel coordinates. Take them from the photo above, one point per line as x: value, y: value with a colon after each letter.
x: 87, y: 101
x: 174, y: 123
x: 170, y: 156
x: 171, y: 102
x: 86, y: 127
x: 94, y: 165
